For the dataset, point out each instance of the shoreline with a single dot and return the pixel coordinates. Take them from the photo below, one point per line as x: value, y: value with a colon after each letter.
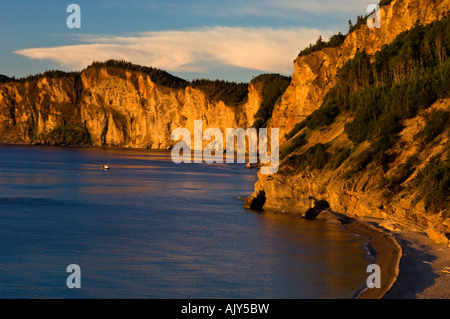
x: 412, y: 265
x: 424, y: 268
x: 387, y: 254
x: 382, y: 246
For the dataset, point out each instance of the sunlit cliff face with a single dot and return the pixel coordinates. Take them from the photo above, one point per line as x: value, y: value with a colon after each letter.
x: 315, y: 74
x: 117, y: 107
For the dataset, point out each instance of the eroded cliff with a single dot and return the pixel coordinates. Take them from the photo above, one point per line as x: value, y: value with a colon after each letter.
x: 315, y: 73
x: 111, y: 106
x: 363, y: 194
x: 364, y: 158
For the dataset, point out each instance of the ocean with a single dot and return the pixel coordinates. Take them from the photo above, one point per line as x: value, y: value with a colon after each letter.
x: 150, y: 228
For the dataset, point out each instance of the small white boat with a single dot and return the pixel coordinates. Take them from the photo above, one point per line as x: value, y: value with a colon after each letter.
x: 105, y: 167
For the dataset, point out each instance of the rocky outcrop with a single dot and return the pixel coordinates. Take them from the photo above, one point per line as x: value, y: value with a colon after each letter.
x: 255, y: 201
x: 358, y: 194
x: 315, y: 73
x: 116, y: 107
x: 361, y: 194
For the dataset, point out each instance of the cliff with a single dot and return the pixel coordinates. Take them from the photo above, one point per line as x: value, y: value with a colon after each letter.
x: 365, y: 125
x: 111, y: 106
x: 362, y: 194
x: 315, y: 73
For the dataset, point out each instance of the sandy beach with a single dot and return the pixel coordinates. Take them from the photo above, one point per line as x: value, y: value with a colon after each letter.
x: 424, y: 271
x: 412, y: 265
x: 387, y: 255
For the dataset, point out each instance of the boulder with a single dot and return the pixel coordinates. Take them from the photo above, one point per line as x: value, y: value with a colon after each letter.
x: 255, y: 201
x: 312, y: 213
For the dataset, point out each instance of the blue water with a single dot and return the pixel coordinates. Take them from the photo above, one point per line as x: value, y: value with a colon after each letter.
x: 149, y: 228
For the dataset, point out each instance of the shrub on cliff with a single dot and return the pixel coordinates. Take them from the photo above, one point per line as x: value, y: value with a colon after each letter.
x: 231, y: 93
x: 380, y: 92
x: 315, y: 157
x: 4, y: 78
x: 433, y: 183
x: 293, y: 144
x: 338, y: 156
x: 272, y: 87
x: 436, y: 123
x: 158, y: 76
x: 404, y: 77
x: 337, y: 39
x: 334, y: 41
x: 400, y: 174
x: 297, y: 128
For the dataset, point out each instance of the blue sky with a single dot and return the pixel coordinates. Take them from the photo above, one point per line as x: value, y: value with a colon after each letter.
x: 231, y: 40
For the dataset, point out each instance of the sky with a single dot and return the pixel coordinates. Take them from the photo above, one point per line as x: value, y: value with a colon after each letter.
x: 229, y: 40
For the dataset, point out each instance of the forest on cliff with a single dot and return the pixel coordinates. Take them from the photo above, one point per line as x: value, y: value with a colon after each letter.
x: 380, y: 93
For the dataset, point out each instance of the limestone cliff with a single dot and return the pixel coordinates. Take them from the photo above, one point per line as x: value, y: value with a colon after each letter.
x: 116, y: 107
x: 361, y: 194
x: 315, y: 74
x: 350, y: 191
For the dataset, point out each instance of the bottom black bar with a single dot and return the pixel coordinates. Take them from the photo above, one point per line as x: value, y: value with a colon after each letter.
x: 225, y: 308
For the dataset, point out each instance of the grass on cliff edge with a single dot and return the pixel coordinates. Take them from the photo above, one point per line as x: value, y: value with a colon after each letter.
x: 337, y: 39
x: 231, y: 93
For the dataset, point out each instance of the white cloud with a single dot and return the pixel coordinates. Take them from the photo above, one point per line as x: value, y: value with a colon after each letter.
x: 287, y: 9
x: 264, y: 49
x: 326, y: 6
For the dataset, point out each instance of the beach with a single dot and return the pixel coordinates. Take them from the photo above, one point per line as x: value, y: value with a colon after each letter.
x: 424, y: 271
x: 387, y: 253
x: 412, y: 265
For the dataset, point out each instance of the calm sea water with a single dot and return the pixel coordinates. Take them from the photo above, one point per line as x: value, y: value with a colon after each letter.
x: 149, y: 228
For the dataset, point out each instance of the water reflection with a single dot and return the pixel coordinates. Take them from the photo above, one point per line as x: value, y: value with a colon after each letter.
x: 149, y: 228
x: 335, y: 265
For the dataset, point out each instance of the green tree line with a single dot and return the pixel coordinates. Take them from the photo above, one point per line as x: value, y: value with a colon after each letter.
x: 337, y: 39
x: 272, y: 87
x: 381, y: 91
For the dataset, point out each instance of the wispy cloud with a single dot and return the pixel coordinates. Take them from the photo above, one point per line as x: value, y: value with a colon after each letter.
x: 264, y: 49
x: 290, y: 9
x: 325, y: 6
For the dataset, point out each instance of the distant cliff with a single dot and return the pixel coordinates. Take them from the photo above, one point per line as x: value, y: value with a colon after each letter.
x: 117, y: 104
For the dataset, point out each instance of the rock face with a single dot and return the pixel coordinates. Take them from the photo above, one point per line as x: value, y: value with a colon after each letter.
x: 358, y: 195
x: 116, y: 107
x: 315, y: 73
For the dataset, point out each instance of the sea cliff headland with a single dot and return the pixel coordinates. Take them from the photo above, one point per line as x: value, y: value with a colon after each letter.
x: 364, y: 126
